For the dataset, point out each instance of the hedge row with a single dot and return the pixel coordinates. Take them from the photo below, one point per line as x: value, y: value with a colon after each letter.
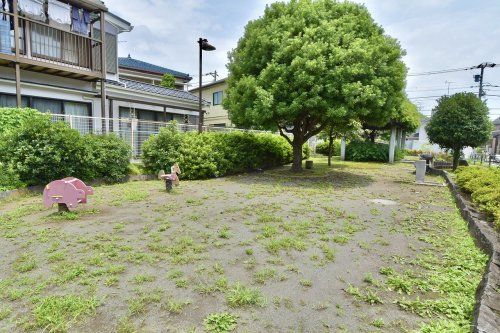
x: 483, y: 184
x: 36, y: 151
x: 214, y: 154
x: 365, y: 151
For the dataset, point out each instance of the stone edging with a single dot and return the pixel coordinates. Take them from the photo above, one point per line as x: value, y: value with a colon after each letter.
x: 487, y: 309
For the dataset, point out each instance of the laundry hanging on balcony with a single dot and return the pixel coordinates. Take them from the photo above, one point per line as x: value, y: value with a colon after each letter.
x: 59, y: 12
x: 80, y: 20
x: 5, y: 46
x: 32, y: 8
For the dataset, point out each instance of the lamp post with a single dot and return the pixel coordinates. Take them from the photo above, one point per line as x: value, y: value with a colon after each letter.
x: 204, y: 46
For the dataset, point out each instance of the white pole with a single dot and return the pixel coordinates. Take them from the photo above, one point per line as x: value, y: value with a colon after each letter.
x: 392, y: 145
x: 342, y: 149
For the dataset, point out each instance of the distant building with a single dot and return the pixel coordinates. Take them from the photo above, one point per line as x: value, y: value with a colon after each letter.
x: 215, y: 115
x: 137, y: 70
x: 419, y: 140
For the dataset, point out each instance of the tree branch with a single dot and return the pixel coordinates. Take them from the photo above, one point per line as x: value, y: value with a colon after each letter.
x: 284, y: 135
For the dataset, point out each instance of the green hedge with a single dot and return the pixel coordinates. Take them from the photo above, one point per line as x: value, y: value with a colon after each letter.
x: 37, y: 151
x: 213, y: 154
x: 322, y: 148
x: 484, y: 186
x: 364, y: 151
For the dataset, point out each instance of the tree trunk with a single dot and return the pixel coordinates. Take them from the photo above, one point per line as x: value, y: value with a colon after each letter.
x: 372, y: 136
x: 330, y: 152
x: 456, y: 158
x: 297, y: 155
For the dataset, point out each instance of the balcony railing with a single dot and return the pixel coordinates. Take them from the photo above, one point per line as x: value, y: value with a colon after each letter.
x: 41, y: 43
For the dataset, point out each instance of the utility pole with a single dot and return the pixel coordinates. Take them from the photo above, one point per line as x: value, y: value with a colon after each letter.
x: 480, y: 78
x: 214, y: 74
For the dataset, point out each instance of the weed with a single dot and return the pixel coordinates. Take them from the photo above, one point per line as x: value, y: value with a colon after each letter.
x: 263, y: 275
x: 175, y: 307
x: 305, y: 283
x: 142, y: 278
x: 220, y: 322
x: 174, y: 274
x: 249, y: 252
x: 242, y: 296
x: 379, y: 323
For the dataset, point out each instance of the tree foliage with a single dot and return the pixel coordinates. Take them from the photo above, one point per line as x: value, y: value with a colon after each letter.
x: 168, y: 81
x: 459, y: 121
x: 306, y: 64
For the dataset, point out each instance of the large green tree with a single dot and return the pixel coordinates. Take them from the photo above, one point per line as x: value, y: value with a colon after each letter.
x: 459, y: 121
x: 305, y: 64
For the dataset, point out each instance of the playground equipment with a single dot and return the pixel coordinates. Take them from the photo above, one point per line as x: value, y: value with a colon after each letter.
x: 172, y: 178
x: 66, y: 193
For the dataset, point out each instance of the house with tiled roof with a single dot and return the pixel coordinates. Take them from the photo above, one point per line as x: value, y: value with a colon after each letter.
x: 138, y: 70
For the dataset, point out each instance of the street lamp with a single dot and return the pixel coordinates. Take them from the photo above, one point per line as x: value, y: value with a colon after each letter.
x: 204, y: 46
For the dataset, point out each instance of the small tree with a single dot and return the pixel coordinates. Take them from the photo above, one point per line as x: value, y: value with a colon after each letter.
x: 459, y: 121
x: 346, y: 129
x: 168, y: 81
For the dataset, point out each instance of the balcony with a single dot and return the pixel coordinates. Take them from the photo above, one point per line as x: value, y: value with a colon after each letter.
x: 52, y: 50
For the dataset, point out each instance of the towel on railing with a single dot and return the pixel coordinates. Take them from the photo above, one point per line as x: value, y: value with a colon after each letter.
x: 59, y: 12
x: 80, y: 23
x: 32, y: 8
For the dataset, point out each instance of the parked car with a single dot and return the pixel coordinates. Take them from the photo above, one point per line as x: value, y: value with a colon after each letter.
x: 496, y: 158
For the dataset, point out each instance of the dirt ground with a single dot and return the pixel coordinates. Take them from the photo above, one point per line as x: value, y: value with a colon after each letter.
x: 354, y: 248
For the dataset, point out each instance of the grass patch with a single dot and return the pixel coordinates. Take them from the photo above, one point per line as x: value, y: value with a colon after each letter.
x: 58, y: 313
x: 241, y: 296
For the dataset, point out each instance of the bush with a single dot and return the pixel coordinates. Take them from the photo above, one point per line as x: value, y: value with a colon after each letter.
x: 322, y: 148
x: 9, y: 180
x: 13, y: 118
x: 39, y: 151
x: 484, y: 186
x: 413, y: 152
x: 107, y: 157
x: 213, y: 154
x: 365, y: 151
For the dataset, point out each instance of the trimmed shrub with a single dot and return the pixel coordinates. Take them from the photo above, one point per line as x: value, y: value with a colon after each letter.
x: 322, y: 148
x: 213, y: 154
x: 41, y: 151
x: 37, y: 151
x: 162, y: 150
x: 483, y: 184
x: 365, y: 151
x: 107, y: 157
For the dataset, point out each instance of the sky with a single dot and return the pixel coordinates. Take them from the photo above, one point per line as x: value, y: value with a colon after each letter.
x: 436, y: 34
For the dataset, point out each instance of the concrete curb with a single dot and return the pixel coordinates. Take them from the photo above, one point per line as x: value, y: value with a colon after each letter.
x: 487, y: 309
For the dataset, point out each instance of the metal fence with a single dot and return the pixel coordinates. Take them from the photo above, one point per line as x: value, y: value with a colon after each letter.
x: 132, y: 131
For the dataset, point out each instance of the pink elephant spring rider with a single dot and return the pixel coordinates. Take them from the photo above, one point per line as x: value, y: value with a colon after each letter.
x: 67, y: 193
x: 172, y: 178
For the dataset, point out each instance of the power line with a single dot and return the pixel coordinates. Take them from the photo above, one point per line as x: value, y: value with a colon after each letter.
x: 452, y: 70
x: 443, y: 71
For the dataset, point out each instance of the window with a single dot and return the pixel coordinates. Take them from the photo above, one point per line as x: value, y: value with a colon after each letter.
x: 217, y: 98
x: 47, y: 105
